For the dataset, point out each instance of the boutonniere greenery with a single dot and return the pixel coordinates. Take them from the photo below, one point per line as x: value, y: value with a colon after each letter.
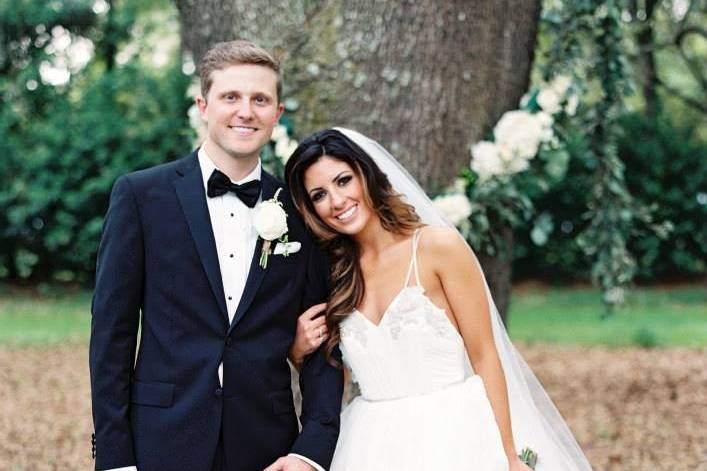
x: 270, y: 222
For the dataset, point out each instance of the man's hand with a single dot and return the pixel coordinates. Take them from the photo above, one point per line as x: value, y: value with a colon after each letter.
x: 289, y: 463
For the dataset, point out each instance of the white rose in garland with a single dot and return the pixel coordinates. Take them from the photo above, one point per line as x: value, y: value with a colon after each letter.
x: 518, y: 134
x: 455, y: 207
x: 526, y: 141
x: 546, y: 122
x: 486, y: 160
x: 561, y: 84
x: 572, y: 104
x: 278, y: 132
x: 270, y: 222
x: 549, y: 100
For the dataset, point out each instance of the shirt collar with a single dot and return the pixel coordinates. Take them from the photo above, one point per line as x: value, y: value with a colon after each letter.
x: 208, y: 166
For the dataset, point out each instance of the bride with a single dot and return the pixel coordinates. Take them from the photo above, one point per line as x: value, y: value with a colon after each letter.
x: 442, y: 388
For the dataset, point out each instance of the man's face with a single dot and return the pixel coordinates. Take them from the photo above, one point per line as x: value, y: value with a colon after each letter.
x: 241, y: 110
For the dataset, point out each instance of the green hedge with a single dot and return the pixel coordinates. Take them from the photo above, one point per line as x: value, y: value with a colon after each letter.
x: 59, y: 163
x: 666, y: 166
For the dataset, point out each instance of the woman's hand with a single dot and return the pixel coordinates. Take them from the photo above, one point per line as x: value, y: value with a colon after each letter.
x: 515, y: 464
x: 310, y: 334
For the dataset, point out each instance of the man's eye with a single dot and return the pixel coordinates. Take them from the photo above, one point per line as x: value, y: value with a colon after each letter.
x: 230, y: 97
x: 260, y: 100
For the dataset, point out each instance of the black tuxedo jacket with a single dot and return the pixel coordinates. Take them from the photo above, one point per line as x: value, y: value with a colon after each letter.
x: 158, y: 280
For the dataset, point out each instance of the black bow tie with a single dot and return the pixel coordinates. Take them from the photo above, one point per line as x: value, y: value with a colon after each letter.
x: 219, y: 184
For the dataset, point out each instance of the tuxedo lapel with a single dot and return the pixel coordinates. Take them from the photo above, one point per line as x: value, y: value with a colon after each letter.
x: 192, y: 197
x: 256, y: 272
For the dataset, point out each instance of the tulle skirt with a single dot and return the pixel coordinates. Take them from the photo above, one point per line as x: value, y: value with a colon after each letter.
x: 452, y: 429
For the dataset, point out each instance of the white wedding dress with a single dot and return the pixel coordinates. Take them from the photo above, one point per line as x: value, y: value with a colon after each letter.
x: 421, y: 408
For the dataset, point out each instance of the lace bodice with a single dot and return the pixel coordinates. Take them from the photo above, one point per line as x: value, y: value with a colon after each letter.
x: 414, y: 350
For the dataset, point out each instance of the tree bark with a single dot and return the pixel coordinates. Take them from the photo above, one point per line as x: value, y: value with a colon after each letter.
x: 499, y: 272
x: 646, y: 46
x: 425, y: 78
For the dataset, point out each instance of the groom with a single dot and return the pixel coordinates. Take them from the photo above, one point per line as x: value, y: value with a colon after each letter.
x: 179, y: 270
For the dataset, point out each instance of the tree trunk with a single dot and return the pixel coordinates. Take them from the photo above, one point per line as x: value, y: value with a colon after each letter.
x: 499, y: 271
x: 425, y: 78
x: 646, y: 45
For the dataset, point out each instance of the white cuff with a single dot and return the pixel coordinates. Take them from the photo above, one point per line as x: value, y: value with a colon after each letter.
x: 308, y: 461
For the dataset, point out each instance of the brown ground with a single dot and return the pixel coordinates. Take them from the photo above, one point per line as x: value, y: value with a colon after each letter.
x: 630, y: 409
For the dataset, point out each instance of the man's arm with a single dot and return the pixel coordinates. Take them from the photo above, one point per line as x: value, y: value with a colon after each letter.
x: 115, y: 314
x: 321, y: 383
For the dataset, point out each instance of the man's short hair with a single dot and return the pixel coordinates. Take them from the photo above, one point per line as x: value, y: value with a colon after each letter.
x: 238, y: 52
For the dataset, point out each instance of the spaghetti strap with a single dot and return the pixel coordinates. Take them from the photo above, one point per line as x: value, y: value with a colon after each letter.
x: 413, y: 261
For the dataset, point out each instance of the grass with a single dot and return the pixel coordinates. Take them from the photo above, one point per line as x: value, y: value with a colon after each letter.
x: 658, y: 317
x: 675, y: 316
x: 44, y: 316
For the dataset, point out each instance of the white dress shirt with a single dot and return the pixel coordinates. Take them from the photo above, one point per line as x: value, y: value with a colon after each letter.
x: 236, y: 238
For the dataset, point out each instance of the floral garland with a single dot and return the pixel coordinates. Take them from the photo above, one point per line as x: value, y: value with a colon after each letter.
x: 523, y: 157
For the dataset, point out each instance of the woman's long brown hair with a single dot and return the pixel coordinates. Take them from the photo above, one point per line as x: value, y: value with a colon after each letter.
x: 346, y: 278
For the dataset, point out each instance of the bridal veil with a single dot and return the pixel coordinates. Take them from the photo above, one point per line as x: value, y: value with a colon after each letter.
x: 535, y: 421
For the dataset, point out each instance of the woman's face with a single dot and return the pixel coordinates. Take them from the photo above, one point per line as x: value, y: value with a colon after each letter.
x: 337, y: 195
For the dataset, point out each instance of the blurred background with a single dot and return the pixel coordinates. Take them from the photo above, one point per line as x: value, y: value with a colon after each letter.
x: 566, y: 140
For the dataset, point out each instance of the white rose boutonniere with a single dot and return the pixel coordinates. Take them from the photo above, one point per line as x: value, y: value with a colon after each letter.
x: 270, y: 222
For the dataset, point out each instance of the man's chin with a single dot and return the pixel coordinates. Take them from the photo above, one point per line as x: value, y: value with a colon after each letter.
x: 244, y: 153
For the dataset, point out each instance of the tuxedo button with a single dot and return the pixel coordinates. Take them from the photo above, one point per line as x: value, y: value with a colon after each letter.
x: 228, y: 342
x: 218, y: 392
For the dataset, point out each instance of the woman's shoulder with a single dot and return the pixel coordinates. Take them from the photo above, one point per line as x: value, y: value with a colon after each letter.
x: 440, y: 241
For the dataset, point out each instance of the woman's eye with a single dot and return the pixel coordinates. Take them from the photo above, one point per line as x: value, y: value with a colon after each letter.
x: 317, y: 196
x: 344, y: 180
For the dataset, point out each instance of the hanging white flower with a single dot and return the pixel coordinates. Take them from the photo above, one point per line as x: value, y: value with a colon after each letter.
x: 524, y: 100
x: 615, y: 296
x: 518, y: 134
x: 561, y: 84
x: 284, y: 148
x: 546, y: 121
x: 455, y: 207
x: 197, y: 124
x: 459, y: 185
x: 549, y: 100
x: 519, y: 164
x: 486, y: 160
x: 278, y: 132
x: 572, y: 103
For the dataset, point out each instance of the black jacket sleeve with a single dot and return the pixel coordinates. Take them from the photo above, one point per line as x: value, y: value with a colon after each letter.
x: 115, y: 314
x: 320, y: 382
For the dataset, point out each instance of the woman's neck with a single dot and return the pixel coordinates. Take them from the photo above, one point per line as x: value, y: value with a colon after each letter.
x: 374, y: 239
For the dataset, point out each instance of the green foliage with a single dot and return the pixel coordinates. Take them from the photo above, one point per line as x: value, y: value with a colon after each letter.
x: 668, y: 171
x: 559, y: 259
x: 570, y: 316
x: 64, y: 146
x: 675, y: 317
x: 612, y: 213
x: 645, y: 338
x: 64, y: 164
